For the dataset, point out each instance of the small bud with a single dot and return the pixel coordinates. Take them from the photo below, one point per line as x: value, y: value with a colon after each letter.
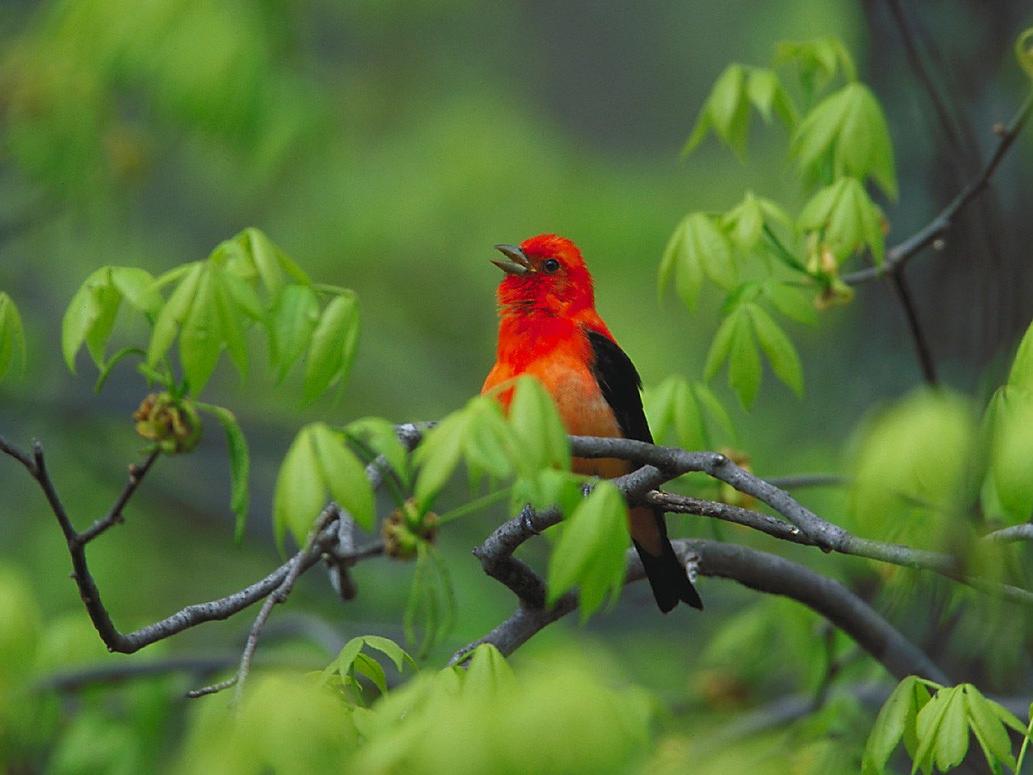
x: 405, y: 528
x: 171, y: 423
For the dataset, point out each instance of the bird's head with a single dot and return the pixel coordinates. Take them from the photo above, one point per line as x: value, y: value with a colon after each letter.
x: 544, y: 274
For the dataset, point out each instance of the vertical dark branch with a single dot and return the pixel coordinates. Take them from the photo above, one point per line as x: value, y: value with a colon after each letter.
x: 922, y: 350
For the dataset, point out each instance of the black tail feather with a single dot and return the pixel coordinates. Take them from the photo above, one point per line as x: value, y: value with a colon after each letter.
x: 668, y: 578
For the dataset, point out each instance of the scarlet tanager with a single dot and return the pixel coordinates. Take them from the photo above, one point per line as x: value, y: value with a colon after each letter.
x: 549, y: 329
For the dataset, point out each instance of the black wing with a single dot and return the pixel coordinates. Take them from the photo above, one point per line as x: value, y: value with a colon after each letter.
x: 620, y: 384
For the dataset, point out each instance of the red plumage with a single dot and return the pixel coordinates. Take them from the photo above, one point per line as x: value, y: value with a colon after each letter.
x: 549, y: 329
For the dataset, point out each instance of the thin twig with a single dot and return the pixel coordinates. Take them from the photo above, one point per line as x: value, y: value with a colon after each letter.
x: 914, y: 326
x: 330, y: 514
x: 114, y: 515
x: 938, y: 226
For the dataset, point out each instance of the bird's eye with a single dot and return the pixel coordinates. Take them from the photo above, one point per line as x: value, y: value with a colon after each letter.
x: 551, y: 265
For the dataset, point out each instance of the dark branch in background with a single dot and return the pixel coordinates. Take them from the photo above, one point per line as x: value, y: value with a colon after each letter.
x: 899, y: 254
x: 914, y: 326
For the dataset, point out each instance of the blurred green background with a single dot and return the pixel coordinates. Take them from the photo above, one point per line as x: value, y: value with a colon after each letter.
x: 387, y: 146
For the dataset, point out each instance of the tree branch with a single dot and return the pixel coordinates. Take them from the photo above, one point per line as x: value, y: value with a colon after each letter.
x: 661, y: 464
x: 763, y: 572
x: 901, y: 253
x: 192, y: 615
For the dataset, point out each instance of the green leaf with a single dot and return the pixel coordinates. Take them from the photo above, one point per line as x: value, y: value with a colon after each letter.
x: 714, y: 409
x: 488, y: 674
x: 1008, y: 420
x: 697, y: 246
x: 343, y: 474
x: 791, y: 302
x: 590, y: 551
x: 846, y: 219
x: 744, y: 370
x: 889, y: 726
x: 912, y: 468
x: 200, y: 338
x: 487, y: 443
x: 137, y: 287
x: 12, y: 337
x: 927, y: 727
x: 379, y: 436
x: 229, y: 321
x: 333, y: 346
x: 300, y: 489
x: 725, y: 111
x: 369, y: 667
x: 767, y: 95
x: 108, y: 301
x: 952, y: 739
x: 1024, y: 51
x: 294, y: 317
x: 431, y: 605
x: 847, y: 133
x: 174, y: 312
x: 721, y: 346
x: 818, y: 60
x: 1021, y: 374
x: 438, y: 455
x: 779, y: 349
x: 745, y: 222
x: 988, y: 728
x: 390, y: 649
x: 537, y: 427
x: 240, y: 465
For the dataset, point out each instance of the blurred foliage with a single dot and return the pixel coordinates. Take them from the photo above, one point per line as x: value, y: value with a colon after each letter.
x: 387, y: 146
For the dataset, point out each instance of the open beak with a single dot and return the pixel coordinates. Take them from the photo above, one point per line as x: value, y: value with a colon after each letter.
x: 515, y: 262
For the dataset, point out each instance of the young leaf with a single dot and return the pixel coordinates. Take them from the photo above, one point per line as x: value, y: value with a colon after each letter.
x: 698, y: 246
x: 1021, y: 374
x: 333, y: 346
x: 12, y: 337
x: 847, y: 131
x: 721, y: 346
x: 438, y: 455
x: 300, y: 491
x: 846, y: 219
x: 174, y: 312
x: 791, y: 302
x: 766, y: 94
x: 240, y: 465
x: 379, y: 436
x: 779, y: 349
x: 229, y: 321
x: 137, y: 287
x: 744, y: 371
x: 488, y: 444
x: 590, y: 551
x: 952, y: 739
x: 294, y: 317
x: 343, y: 474
x: 537, y: 427
x: 391, y: 650
x: 200, y: 337
x: 488, y: 674
x: 889, y: 726
x: 988, y: 728
x: 725, y: 111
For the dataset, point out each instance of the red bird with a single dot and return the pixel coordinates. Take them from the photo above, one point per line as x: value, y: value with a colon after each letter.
x: 548, y: 328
